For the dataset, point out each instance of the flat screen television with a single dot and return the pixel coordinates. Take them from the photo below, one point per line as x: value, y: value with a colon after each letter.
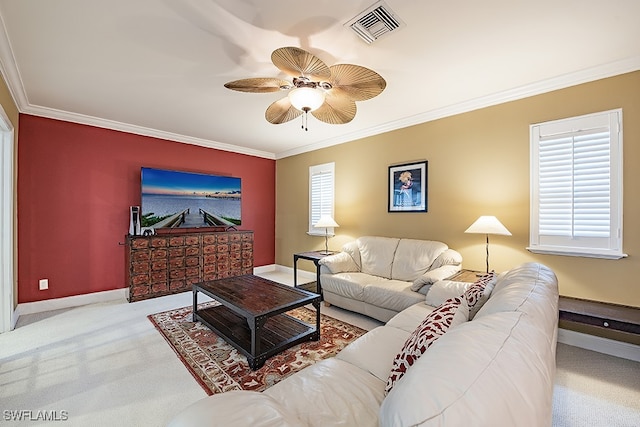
x: 187, y: 199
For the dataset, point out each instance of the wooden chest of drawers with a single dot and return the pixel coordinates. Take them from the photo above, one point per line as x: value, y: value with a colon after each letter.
x: 167, y: 264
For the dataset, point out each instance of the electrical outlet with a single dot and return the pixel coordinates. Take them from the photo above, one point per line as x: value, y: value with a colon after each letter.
x: 44, y: 284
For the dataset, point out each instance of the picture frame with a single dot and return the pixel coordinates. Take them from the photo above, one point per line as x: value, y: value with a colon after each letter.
x: 408, y: 187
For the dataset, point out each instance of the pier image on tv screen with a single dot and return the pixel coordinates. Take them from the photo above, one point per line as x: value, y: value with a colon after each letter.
x: 187, y: 199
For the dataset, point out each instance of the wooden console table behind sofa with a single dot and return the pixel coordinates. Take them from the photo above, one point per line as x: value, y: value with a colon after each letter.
x: 609, y: 320
x: 166, y: 264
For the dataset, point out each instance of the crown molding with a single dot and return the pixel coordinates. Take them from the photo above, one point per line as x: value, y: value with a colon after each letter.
x: 10, y: 71
x: 140, y: 130
x: 560, y: 82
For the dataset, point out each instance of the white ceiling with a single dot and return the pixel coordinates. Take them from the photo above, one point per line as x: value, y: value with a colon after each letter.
x: 157, y: 67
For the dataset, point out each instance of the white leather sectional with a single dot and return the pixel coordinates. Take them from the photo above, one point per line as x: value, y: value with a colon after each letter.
x: 494, y: 370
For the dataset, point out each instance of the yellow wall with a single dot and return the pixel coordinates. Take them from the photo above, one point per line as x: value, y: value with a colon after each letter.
x: 10, y: 109
x: 478, y: 165
x: 8, y: 104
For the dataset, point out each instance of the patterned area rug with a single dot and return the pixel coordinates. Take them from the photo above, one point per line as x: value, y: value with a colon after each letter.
x: 219, y: 367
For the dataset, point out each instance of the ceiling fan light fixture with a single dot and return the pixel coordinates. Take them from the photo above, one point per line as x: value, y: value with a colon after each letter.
x: 306, y: 98
x: 341, y: 84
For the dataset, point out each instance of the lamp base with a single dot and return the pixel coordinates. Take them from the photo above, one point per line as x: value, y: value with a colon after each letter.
x: 326, y: 253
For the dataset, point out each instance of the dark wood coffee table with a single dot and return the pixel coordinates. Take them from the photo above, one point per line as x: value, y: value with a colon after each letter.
x: 252, y: 315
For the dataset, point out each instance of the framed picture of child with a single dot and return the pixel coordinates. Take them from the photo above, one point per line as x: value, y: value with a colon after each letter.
x: 408, y: 187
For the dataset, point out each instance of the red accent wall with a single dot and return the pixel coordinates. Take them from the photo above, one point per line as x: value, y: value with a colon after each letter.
x: 75, y: 186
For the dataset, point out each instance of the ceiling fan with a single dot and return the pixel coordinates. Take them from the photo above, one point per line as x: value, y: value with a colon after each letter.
x: 329, y: 93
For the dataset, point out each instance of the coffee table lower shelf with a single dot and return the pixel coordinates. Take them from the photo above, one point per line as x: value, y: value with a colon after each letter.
x: 275, y: 334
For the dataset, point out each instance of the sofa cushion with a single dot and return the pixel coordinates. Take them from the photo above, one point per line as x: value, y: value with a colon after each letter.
x: 230, y: 409
x: 414, y: 257
x: 374, y: 351
x: 528, y: 272
x: 453, y: 312
x: 354, y: 252
x: 339, y: 263
x: 530, y: 279
x: 442, y: 290
x: 448, y: 257
x: 409, y: 318
x: 432, y: 276
x: 329, y: 393
x: 349, y: 285
x: 376, y: 255
x: 391, y: 294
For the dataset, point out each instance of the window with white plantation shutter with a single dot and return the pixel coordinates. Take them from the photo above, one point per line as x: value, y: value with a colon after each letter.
x: 576, y: 186
x: 321, y: 193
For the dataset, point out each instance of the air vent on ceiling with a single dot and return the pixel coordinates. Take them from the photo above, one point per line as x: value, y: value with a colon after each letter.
x: 375, y: 22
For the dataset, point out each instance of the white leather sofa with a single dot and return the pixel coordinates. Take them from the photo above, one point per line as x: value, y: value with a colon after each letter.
x: 494, y: 370
x: 381, y: 276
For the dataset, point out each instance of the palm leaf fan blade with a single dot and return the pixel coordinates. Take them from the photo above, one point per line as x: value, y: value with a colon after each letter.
x: 258, y: 85
x: 281, y: 111
x: 356, y: 82
x: 299, y: 63
x: 336, y: 110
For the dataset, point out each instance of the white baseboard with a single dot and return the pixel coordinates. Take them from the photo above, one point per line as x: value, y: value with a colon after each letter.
x: 67, y: 302
x: 265, y: 268
x: 599, y: 344
x: 116, y: 294
x: 277, y: 268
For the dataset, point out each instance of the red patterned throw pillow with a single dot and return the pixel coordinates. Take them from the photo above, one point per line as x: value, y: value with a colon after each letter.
x: 479, y: 292
x: 452, y: 312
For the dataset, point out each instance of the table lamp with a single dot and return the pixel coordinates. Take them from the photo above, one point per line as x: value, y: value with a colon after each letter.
x: 326, y: 222
x: 488, y: 225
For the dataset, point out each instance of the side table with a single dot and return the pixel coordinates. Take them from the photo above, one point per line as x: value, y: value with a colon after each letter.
x: 314, y: 256
x: 465, y: 275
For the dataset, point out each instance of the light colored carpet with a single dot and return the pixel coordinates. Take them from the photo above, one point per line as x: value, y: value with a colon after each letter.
x: 596, y: 390
x: 106, y: 365
x: 101, y: 365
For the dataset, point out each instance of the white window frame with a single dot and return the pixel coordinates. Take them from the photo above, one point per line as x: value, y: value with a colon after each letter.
x: 321, y: 196
x: 592, y: 230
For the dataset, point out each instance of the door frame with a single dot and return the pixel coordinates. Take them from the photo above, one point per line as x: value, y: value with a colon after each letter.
x: 7, y: 231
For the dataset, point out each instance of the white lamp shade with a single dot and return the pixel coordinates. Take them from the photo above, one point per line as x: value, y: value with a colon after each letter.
x: 326, y: 221
x: 487, y: 224
x: 306, y: 98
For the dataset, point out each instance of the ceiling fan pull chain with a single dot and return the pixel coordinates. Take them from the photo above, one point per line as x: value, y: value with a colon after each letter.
x: 305, y: 119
